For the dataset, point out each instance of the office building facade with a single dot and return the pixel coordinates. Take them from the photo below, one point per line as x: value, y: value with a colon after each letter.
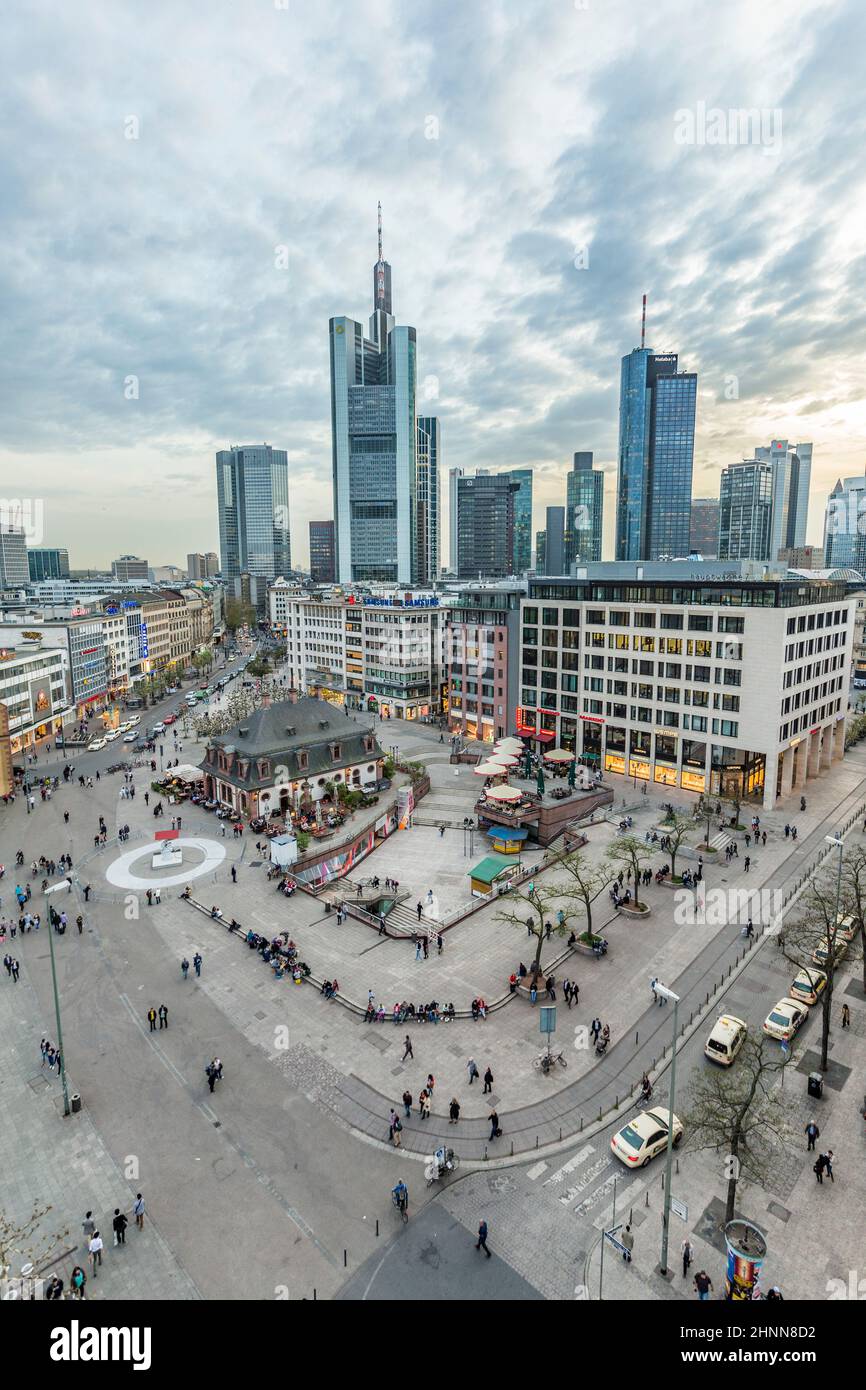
x: 200, y: 566
x: 485, y: 525
x: 656, y: 454
x: 14, y: 569
x: 554, y: 541
x: 47, y: 563
x: 745, y: 511
x: 323, y: 560
x: 845, y: 525
x: 253, y: 505
x: 584, y: 512
x: 718, y: 687
x: 129, y: 568
x: 483, y: 654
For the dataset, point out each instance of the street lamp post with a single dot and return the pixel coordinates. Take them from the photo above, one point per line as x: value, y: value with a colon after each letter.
x: 838, y: 843
x: 63, y: 1081
x: 668, y: 994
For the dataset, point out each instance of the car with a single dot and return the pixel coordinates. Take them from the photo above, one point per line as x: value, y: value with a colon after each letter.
x: 726, y: 1038
x: 170, y: 719
x: 130, y: 737
x: 645, y: 1136
x: 133, y: 720
x: 807, y: 985
x: 821, y: 953
x: 158, y: 729
x: 111, y: 735
x: 846, y: 927
x: 124, y: 726
x: 785, y: 1018
x: 96, y: 745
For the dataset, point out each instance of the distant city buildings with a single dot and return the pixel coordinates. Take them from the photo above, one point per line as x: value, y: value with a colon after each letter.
x: 704, y: 527
x: 202, y: 566
x: 656, y: 451
x: 129, y: 567
x: 253, y: 505
x: 323, y: 558
x: 845, y: 525
x: 47, y: 563
x: 554, y: 541
x: 745, y: 511
x: 803, y: 557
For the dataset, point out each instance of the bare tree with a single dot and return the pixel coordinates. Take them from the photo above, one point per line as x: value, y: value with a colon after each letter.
x: 534, y: 911
x: 822, y: 917
x: 854, y: 889
x: 635, y: 854
x: 587, y: 880
x: 676, y: 830
x: 23, y: 1243
x: 738, y: 1112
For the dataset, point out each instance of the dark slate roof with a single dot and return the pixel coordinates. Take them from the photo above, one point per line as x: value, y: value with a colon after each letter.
x: 283, y: 730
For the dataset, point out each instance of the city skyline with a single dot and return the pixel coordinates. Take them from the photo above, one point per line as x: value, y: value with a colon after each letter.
x: 522, y: 266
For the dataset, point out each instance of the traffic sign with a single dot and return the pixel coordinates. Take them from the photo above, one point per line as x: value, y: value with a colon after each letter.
x: 547, y: 1019
x: 680, y: 1208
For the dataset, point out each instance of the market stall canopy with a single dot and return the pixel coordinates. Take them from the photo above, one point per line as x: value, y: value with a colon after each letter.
x: 504, y: 794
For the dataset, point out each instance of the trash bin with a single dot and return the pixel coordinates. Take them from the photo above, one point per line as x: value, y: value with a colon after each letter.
x: 75, y: 1098
x: 815, y: 1084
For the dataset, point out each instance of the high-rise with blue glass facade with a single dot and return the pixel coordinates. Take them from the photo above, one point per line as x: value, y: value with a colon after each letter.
x: 584, y: 511
x: 374, y: 442
x: 656, y: 453
x: 427, y: 500
x: 522, y: 520
x: 253, y: 502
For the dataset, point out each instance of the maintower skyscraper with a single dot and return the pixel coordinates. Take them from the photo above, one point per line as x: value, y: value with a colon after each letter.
x: 374, y: 442
x: 656, y: 451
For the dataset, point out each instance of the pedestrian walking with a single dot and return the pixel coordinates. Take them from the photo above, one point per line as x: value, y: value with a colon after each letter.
x: 495, y: 1131
x: 746, y: 862
x: 163, y: 1017
x: 425, y: 944
x: 703, y: 1285
x: 440, y: 943
x: 79, y: 922
x: 77, y: 1282
x: 157, y: 895
x: 627, y: 1240
x: 417, y: 950
x: 430, y: 1083
x: 846, y: 1016
x: 196, y: 960
x: 595, y: 1029
x: 184, y: 965
x: 211, y: 1076
x: 686, y: 1249
x: 419, y: 910
x: 481, y: 1243
x: 138, y: 1211
x: 812, y: 1133
x: 151, y: 1018
x: 407, y: 1103
x: 407, y: 1049
x: 787, y: 831
x: 818, y: 1167
x: 424, y: 1105
x: 454, y: 1111
x: 396, y: 1132
x: 472, y: 1070
x: 828, y: 1164
x: 15, y: 968
x: 488, y: 1081
x: 95, y: 1248
x: 234, y: 874
x: 119, y: 1224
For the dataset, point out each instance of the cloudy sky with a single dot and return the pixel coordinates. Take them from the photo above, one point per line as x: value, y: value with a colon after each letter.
x: 190, y: 193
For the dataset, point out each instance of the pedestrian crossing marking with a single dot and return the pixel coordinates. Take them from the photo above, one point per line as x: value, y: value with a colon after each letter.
x: 568, y: 1167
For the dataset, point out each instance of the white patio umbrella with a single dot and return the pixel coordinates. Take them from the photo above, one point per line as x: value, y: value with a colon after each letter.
x: 504, y: 794
x: 559, y: 755
x: 489, y: 769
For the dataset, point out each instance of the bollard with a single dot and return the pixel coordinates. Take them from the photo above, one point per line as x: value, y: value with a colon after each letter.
x: 512, y: 1148
x: 485, y: 1153
x: 314, y: 1295
x: 616, y: 1103
x: 560, y: 1134
x: 599, y: 1112
x: 377, y: 1226
x: 345, y: 1260
x: 646, y: 1203
x: 581, y: 1125
x: 678, y: 1167
x: 635, y: 1039
x: 536, y: 1141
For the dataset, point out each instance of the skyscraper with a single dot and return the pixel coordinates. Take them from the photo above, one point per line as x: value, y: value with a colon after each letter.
x: 48, y: 563
x: 745, y: 511
x: 253, y: 503
x: 704, y: 528
x: 522, y: 521
x: 454, y: 476
x: 374, y: 441
x: 584, y: 512
x: 427, y: 500
x: 322, y: 557
x: 656, y: 451
x: 14, y: 569
x: 485, y: 525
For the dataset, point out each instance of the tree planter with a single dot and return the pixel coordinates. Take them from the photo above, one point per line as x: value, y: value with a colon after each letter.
x: 631, y: 911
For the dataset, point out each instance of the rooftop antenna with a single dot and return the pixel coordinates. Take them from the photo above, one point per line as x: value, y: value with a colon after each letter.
x: 643, y: 311
x: 380, y: 238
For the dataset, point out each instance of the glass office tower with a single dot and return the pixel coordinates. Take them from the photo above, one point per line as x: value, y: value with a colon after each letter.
x: 656, y: 453
x: 374, y: 442
x: 427, y: 500
x: 522, y: 520
x: 584, y: 511
x: 253, y: 503
x: 745, y: 511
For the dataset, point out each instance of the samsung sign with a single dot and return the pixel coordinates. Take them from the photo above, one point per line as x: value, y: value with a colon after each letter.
x: 401, y: 603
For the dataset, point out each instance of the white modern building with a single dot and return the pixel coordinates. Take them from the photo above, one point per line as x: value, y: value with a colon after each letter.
x: 34, y: 687
x: 374, y: 651
x: 724, y: 686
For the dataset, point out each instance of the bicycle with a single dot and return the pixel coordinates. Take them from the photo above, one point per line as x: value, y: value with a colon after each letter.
x: 402, y: 1205
x: 546, y: 1061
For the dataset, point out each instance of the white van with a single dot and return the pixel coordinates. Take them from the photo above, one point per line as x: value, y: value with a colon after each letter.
x: 726, y: 1039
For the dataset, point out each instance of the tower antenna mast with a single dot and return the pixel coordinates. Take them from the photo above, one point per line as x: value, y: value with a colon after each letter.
x: 643, y: 311
x: 380, y: 236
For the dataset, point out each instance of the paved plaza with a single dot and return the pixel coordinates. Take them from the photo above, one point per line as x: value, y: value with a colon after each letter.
x: 278, y: 1179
